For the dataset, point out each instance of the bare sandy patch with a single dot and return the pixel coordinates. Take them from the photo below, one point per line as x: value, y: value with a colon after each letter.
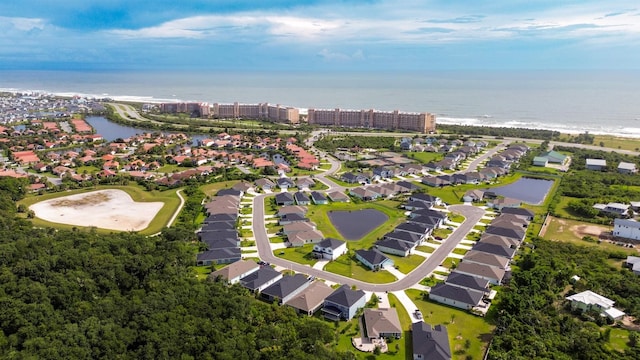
x: 106, y: 209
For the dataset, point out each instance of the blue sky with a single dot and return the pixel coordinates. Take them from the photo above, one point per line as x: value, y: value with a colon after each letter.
x: 320, y: 35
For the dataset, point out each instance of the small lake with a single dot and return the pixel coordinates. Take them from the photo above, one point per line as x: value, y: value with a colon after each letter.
x: 355, y: 224
x: 111, y: 131
x: 531, y: 191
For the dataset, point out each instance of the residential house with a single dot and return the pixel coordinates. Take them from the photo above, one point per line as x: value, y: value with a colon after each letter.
x: 318, y: 198
x: 373, y: 259
x: 492, y: 274
x: 540, y: 161
x: 596, y: 164
x: 627, y: 168
x: 259, y: 280
x: 498, y: 250
x: 337, y: 196
x: 232, y: 192
x: 615, y: 209
x: 301, y: 198
x: 633, y: 263
x: 343, y: 303
x: 289, y: 229
x: 299, y: 238
x: 521, y: 212
x: 311, y: 298
x: 352, y: 178
x: 292, y: 218
x: 502, y: 202
x: 285, y: 183
x: 233, y: 272
x: 265, y: 184
x: 286, y: 288
x: 292, y: 209
x: 381, y: 172
x: 218, y: 256
x: 430, y: 343
x: 485, y: 258
x: 460, y: 297
x: 474, y: 195
x: 408, y: 185
x: 467, y: 281
x: 364, y: 194
x: 381, y: 323
x: 412, y: 239
x: 395, y: 247
x: 304, y: 184
x: 628, y: 229
x: 415, y: 228
x: 330, y: 249
x: 590, y: 301
x: 284, y: 198
x: 435, y: 181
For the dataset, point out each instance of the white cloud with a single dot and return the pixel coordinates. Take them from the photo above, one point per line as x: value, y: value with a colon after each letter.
x: 22, y: 23
x: 330, y: 55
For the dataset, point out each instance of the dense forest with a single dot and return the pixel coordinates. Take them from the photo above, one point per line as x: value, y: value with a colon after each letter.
x: 80, y: 294
x: 534, y: 321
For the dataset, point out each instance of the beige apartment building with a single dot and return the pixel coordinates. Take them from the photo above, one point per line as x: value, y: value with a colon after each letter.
x: 202, y: 109
x: 276, y: 113
x: 390, y: 120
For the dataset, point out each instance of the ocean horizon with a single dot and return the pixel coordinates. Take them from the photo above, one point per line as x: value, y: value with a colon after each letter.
x: 600, y: 102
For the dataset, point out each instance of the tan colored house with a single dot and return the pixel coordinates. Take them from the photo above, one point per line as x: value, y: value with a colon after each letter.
x: 232, y: 273
x: 382, y: 323
x: 310, y: 299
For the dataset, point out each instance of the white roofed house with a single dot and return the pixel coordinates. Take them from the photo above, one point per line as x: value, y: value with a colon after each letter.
x: 590, y: 301
x: 616, y: 209
x: 596, y: 164
x: 633, y: 263
x: 627, y: 229
x: 627, y: 168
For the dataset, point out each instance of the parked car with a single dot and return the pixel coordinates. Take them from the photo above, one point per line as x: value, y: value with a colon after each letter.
x: 418, y: 314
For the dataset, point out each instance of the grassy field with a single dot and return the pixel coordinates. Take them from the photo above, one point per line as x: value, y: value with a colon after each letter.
x: 169, y: 198
x: 426, y: 157
x: 171, y: 168
x: 301, y: 255
x: 425, y: 249
x: 617, y: 142
x: 87, y: 169
x: 406, y: 264
x: 572, y: 231
x: 460, y: 324
x: 318, y: 214
x: 618, y: 339
x: 354, y: 269
x: 213, y: 188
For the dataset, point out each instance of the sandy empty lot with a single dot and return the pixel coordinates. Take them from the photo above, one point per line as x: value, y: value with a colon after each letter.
x: 106, y: 209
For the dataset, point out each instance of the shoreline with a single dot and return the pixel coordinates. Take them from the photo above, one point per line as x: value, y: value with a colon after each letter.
x: 474, y: 121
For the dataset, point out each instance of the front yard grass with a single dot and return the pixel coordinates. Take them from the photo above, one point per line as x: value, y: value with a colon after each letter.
x: 460, y: 251
x: 301, y: 255
x: 352, y: 268
x: 461, y: 326
x: 342, y: 183
x: 406, y: 264
x: 425, y: 249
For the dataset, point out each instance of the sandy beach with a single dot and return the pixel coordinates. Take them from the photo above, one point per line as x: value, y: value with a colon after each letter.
x: 106, y: 209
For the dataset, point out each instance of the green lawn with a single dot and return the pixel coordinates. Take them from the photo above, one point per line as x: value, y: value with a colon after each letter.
x: 406, y: 264
x: 301, y: 255
x: 442, y: 232
x: 137, y: 193
x: 448, y: 262
x: 270, y: 207
x: 425, y: 157
x: 87, y: 169
x: 277, y: 239
x: 354, y: 269
x: 318, y: 214
x: 615, y: 142
x: 171, y: 168
x: 202, y: 272
x: 618, y: 339
x: 460, y: 251
x: 455, y: 217
x: 341, y: 183
x: 464, y: 326
x: 566, y: 230
x: 213, y: 188
x: 425, y: 249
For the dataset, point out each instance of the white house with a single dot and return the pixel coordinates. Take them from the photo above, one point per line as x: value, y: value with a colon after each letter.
x: 633, y: 263
x: 627, y: 229
x: 330, y: 249
x: 588, y: 300
x: 627, y: 168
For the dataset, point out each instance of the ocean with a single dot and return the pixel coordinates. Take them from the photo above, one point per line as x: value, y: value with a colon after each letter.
x: 600, y: 102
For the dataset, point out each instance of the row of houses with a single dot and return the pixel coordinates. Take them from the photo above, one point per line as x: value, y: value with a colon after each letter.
x: 219, y: 229
x: 601, y: 165
x: 487, y: 263
x: 298, y: 291
x: 405, y: 237
x: 431, y: 144
x: 383, y: 190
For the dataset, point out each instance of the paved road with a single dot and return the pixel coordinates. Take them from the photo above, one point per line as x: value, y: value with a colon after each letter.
x: 471, y: 213
x: 476, y: 162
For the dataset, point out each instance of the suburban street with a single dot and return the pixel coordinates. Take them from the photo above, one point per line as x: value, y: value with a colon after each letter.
x: 472, y: 216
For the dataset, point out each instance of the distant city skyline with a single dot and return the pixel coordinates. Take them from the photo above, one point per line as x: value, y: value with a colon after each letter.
x: 319, y: 35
